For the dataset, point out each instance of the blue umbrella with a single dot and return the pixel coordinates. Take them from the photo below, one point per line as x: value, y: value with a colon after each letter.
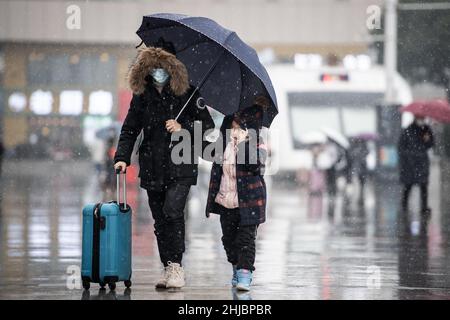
x: 225, y: 68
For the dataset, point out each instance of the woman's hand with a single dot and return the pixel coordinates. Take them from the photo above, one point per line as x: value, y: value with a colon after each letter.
x: 120, y: 165
x: 173, y: 125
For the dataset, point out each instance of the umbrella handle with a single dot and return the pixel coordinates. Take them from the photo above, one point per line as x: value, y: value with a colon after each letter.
x: 179, y: 113
x: 211, y: 69
x: 140, y: 44
x: 185, y: 105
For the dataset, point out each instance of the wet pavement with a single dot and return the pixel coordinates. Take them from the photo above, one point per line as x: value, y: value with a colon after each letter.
x: 308, y: 249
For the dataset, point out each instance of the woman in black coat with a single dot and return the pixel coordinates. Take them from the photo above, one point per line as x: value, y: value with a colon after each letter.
x: 237, y: 191
x: 160, y: 89
x: 413, y: 146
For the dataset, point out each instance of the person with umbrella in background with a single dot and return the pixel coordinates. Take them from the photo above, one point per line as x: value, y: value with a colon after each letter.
x: 161, y: 89
x: 336, y: 151
x: 413, y: 146
x: 358, y: 153
x: 333, y: 156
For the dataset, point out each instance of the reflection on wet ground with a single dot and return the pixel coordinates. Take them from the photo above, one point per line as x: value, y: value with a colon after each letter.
x: 310, y: 248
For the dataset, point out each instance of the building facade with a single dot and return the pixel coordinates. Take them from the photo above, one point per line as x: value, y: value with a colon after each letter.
x: 63, y: 64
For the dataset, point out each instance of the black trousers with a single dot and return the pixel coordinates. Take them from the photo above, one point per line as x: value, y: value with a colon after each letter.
x: 167, y: 208
x: 423, y: 195
x: 238, y: 241
x: 331, y: 181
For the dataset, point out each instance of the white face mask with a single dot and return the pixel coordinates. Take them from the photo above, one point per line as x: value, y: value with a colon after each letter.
x: 160, y: 76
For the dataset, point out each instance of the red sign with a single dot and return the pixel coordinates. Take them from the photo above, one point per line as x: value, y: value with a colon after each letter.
x: 124, y: 104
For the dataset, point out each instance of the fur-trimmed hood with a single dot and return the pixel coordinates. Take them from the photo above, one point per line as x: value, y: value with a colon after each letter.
x: 150, y: 58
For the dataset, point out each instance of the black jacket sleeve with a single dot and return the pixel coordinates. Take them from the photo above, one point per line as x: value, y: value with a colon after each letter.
x: 401, y: 145
x: 131, y: 128
x: 255, y: 154
x: 430, y: 143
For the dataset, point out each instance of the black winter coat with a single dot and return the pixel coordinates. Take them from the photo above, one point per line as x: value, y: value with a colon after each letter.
x: 149, y: 112
x: 413, y: 156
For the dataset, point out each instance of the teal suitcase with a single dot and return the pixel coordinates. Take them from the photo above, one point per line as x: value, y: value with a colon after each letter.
x: 106, y: 248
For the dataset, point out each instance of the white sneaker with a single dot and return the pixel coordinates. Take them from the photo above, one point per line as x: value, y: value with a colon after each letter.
x: 162, y: 282
x: 175, y: 276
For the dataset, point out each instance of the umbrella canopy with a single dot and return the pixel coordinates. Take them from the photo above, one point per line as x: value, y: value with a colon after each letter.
x: 336, y: 137
x: 438, y: 110
x: 366, y: 136
x: 226, y: 69
x: 314, y: 137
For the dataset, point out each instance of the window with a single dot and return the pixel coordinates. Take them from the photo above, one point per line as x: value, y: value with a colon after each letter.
x: 97, y: 70
x: 41, y: 102
x: 100, y: 102
x: 17, y: 101
x: 38, y: 69
x: 71, y: 102
x: 350, y: 113
x: 71, y: 69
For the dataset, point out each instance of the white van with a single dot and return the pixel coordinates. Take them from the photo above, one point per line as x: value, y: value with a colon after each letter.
x: 338, y: 98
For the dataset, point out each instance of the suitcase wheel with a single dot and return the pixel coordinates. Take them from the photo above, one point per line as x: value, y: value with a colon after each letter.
x: 86, y: 285
x: 127, y: 283
x: 112, y: 286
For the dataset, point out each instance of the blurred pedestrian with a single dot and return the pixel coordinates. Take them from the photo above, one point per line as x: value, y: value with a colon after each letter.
x: 332, y: 156
x: 161, y: 87
x: 317, y: 176
x: 237, y: 190
x: 358, y: 154
x: 413, y: 146
x: 97, y: 149
x: 108, y: 175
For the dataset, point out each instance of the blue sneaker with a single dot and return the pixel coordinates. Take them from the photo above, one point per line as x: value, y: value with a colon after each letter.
x: 244, y: 279
x: 234, y: 280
